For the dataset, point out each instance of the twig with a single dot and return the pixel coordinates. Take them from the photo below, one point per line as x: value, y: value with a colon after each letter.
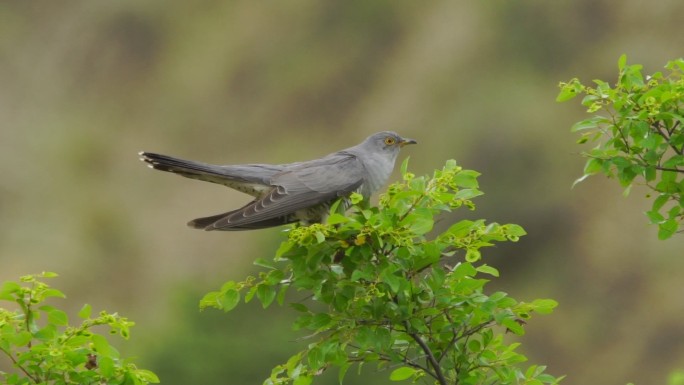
x: 430, y: 356
x: 14, y: 361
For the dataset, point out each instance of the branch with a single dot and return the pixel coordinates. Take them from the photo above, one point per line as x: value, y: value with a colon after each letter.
x: 667, y: 137
x: 668, y: 169
x: 430, y: 356
x: 387, y: 358
x: 14, y: 361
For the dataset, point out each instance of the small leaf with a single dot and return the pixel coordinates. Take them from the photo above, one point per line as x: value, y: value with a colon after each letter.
x: 343, y: 371
x: 147, y: 376
x: 264, y: 263
x: 402, y: 373
x: 101, y: 345
x: 229, y: 299
x: 21, y: 339
x: 355, y: 198
x: 419, y: 221
x: 621, y: 62
x: 467, y: 179
x: 9, y: 288
x: 53, y: 293
x: 544, y: 306
x: 266, y: 294
x: 488, y: 270
x: 404, y: 166
x: 105, y: 366
x: 667, y: 229
x: 336, y: 218
x: 473, y: 255
x: 55, y: 316
x: 85, y: 311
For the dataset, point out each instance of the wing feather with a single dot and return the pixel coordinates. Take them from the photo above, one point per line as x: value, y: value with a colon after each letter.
x: 300, y: 187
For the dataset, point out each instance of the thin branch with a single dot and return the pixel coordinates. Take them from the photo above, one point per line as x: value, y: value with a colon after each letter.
x: 385, y: 357
x: 14, y: 361
x: 668, y: 169
x: 667, y: 137
x: 430, y: 356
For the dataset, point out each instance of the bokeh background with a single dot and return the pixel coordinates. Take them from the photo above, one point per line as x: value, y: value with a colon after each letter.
x: 85, y: 85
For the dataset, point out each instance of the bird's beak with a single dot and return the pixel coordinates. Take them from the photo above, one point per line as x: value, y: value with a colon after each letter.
x: 405, y: 141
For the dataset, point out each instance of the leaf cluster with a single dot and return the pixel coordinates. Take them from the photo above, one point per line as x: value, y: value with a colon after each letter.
x: 381, y: 288
x: 45, y: 349
x: 639, y: 135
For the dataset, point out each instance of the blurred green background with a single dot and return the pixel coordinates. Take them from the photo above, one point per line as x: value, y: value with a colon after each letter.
x: 85, y: 85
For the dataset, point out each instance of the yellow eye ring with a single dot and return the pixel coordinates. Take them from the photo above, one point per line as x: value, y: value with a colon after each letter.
x: 390, y: 141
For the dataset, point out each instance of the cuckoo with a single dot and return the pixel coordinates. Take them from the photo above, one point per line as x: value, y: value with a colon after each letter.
x: 293, y: 192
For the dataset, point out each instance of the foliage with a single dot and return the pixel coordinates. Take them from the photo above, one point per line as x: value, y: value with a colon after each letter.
x: 51, y: 351
x: 380, y: 289
x: 639, y: 134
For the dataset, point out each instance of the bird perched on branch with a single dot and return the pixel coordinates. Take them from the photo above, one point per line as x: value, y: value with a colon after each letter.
x: 293, y: 192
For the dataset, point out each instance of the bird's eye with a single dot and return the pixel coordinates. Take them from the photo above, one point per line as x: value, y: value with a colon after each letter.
x: 390, y: 140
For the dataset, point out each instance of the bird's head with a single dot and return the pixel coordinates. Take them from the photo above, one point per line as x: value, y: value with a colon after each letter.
x: 388, y: 141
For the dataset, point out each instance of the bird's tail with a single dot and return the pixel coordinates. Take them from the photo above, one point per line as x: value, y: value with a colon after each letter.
x: 183, y: 167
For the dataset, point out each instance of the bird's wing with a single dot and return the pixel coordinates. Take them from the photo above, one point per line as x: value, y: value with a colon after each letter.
x: 305, y: 185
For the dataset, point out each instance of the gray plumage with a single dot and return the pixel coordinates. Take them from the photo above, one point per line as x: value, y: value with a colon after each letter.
x: 293, y: 192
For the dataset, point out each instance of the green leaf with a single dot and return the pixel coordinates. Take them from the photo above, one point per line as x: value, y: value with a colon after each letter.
x: 343, y: 371
x: 101, y: 345
x: 8, y: 289
x: 621, y: 62
x: 473, y: 255
x: 667, y: 229
x: 85, y: 311
x: 466, y: 179
x: 655, y: 217
x: 464, y: 270
x: 336, y: 218
x: 55, y: 316
x: 355, y: 198
x: 53, y: 293
x: 544, y: 306
x: 320, y: 321
x: 402, y: 373
x: 229, y: 299
x: 488, y: 270
x: 303, y: 380
x: 316, y: 358
x: 513, y: 326
x: 461, y: 228
x: 569, y: 90
x: 589, y: 124
x: 419, y: 221
x: 21, y: 339
x: 404, y: 166
x: 147, y: 376
x: 264, y: 263
x: 266, y: 294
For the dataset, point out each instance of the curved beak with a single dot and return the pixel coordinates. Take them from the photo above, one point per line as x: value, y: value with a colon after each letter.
x: 405, y: 141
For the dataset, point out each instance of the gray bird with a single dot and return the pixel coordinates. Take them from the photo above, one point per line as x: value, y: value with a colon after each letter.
x: 294, y: 192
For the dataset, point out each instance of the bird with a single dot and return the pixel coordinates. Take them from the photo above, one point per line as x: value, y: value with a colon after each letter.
x: 293, y: 192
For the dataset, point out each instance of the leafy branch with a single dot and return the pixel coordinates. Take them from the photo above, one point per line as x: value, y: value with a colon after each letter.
x: 396, y: 293
x: 52, y: 352
x: 639, y: 135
